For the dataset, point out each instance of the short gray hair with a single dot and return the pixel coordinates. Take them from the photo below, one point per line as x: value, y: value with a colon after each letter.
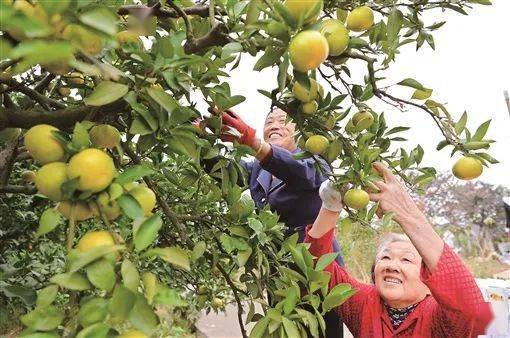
x: 389, y: 238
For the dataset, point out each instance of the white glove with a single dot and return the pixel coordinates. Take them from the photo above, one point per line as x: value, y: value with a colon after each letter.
x: 331, y: 197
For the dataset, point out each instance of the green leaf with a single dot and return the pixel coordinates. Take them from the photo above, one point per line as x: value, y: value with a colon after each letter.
x: 291, y: 299
x: 325, y: 260
x: 43, y: 318
x: 310, y: 320
x: 92, y: 311
x: 80, y: 137
x: 142, y: 316
x: 121, y: 303
x: 147, y: 232
x: 442, y: 144
x: 49, y: 220
x: 198, y: 251
x: 169, y: 297
x: 36, y: 52
x: 106, y: 92
x: 77, y: 259
x: 260, y: 328
x: 134, y: 173
x: 459, y: 126
x: 488, y: 158
x: 481, y: 131
x: 130, y: 206
x: 71, y: 281
x: 174, y: 255
x: 422, y: 94
x: 282, y: 72
x: 101, y: 19
x: 297, y: 256
x: 130, y: 275
x: 47, y: 295
x: 231, y: 48
x: 290, y: 328
x: 337, y: 296
x: 163, y: 99
x: 27, y: 295
x: 98, y: 330
x: 475, y: 145
x: 54, y: 7
x: 101, y: 274
x: 243, y: 256
x: 411, y: 83
x: 395, y: 20
x: 253, y: 11
x: 271, y: 56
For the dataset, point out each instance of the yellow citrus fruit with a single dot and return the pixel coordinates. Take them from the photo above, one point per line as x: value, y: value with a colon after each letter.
x: 360, y: 19
x: 82, y: 210
x: 104, y: 136
x: 362, y: 120
x: 95, y: 239
x: 64, y: 91
x: 28, y: 176
x: 42, y: 145
x: 217, y: 303
x: 316, y: 144
x: 298, y: 8
x: 126, y: 36
x: 356, y: 198
x: 49, y: 179
x: 337, y: 35
x: 94, y: 168
x: 467, y: 168
x: 310, y: 107
x: 82, y: 38
x: 307, y: 50
x: 145, y: 197
x: 303, y: 94
x: 35, y: 12
x: 75, y: 78
x: 133, y: 334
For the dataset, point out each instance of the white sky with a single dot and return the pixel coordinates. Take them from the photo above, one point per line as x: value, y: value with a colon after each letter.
x: 469, y: 70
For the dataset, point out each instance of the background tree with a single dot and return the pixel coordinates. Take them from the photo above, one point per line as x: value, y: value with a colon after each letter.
x: 99, y: 97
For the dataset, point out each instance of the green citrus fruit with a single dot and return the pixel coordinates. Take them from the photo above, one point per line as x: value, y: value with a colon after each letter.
x: 362, y: 120
x: 277, y: 30
x: 303, y: 94
x: 307, y: 50
x: 49, y: 179
x: 337, y: 35
x: 42, y: 145
x: 217, y: 303
x: 316, y: 144
x: 110, y: 208
x: 104, y: 136
x: 360, y: 19
x: 145, y: 197
x: 28, y: 176
x: 310, y: 107
x: 356, y: 198
x: 133, y: 334
x: 467, y: 168
x: 93, y: 167
x: 64, y: 91
x: 126, y: 36
x: 308, y: 8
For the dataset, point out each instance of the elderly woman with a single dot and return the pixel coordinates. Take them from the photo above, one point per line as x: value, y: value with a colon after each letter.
x: 421, y: 287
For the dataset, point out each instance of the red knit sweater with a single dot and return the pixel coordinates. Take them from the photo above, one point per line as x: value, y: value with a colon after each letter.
x: 455, y: 309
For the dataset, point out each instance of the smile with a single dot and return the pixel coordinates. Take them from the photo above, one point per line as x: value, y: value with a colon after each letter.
x: 392, y: 280
x: 275, y: 135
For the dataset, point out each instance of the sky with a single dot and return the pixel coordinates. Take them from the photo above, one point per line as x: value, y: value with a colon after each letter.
x: 469, y: 70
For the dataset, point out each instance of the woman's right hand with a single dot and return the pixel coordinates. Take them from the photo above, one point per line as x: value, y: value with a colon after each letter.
x: 331, y: 197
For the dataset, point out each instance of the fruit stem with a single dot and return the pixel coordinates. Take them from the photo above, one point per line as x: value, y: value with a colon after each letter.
x: 106, y: 222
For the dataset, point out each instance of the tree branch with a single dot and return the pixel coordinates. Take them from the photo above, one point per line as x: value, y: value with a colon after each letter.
x: 184, y: 16
x: 18, y: 189
x: 34, y: 95
x: 62, y: 118
x: 7, y: 159
x: 44, y: 82
x: 141, y: 11
x: 217, y: 36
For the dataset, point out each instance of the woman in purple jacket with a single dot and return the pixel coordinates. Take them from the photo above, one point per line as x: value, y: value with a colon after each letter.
x: 290, y: 186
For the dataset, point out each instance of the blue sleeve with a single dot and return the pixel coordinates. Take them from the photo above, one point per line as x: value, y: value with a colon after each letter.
x: 301, y: 173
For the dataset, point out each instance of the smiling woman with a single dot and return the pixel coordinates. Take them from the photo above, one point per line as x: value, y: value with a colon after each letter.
x: 421, y: 287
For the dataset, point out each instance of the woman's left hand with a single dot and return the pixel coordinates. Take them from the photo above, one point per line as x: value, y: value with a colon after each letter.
x: 393, y: 197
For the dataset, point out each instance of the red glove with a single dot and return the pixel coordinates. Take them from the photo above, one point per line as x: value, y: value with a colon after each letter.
x: 231, y: 119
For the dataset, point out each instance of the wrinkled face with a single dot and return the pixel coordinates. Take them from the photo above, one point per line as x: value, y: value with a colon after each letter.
x: 397, y: 275
x: 279, y: 133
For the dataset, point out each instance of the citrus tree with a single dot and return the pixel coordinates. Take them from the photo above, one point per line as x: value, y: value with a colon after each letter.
x: 99, y: 126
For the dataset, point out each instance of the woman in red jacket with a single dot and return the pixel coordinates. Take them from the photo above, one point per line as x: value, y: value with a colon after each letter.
x: 421, y: 289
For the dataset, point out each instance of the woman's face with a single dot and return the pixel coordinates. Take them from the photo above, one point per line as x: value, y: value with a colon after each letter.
x: 277, y: 132
x: 397, y: 275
